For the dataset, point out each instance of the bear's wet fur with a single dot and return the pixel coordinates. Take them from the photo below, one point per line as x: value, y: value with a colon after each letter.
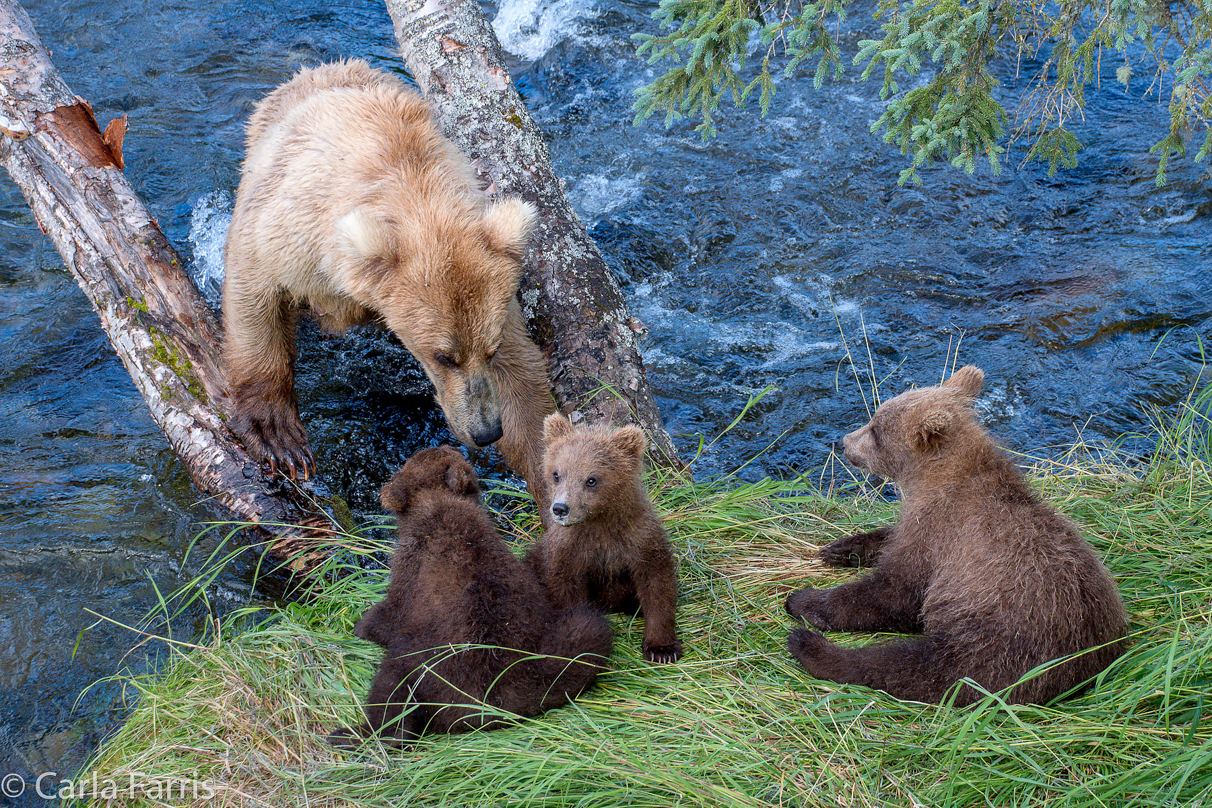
x: 352, y: 206
x: 603, y: 543
x: 996, y: 581
x: 471, y: 637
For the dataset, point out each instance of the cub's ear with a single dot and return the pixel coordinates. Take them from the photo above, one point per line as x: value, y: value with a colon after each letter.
x: 555, y: 426
x: 461, y: 478
x: 436, y: 467
x: 631, y: 440
x: 933, y: 428
x: 394, y: 495
x: 364, y: 236
x: 967, y: 381
x: 507, y: 225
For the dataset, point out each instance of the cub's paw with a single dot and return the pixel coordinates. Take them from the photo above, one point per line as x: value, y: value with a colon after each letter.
x: 811, y: 650
x: 859, y: 550
x: 810, y: 605
x: 663, y: 654
x: 273, y: 432
x: 346, y: 738
x: 367, y: 628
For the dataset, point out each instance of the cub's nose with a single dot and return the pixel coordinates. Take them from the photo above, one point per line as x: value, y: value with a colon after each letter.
x: 559, y: 509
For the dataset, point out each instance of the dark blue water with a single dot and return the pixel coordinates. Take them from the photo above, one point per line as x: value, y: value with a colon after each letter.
x: 782, y: 253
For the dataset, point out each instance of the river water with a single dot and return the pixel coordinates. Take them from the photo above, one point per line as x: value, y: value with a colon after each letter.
x: 781, y: 253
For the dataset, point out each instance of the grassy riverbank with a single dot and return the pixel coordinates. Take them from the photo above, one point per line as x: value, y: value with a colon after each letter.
x: 239, y: 717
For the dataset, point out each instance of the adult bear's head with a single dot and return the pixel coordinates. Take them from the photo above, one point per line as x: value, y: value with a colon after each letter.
x: 445, y: 281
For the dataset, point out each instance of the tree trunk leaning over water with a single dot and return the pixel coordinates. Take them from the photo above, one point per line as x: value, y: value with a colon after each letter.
x: 151, y: 310
x: 576, y: 311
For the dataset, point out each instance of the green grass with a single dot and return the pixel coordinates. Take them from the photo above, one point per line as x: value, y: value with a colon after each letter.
x: 244, y: 711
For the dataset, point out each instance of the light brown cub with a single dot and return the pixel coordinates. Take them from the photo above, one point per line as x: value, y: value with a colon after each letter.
x: 996, y: 581
x: 353, y: 206
x: 603, y: 543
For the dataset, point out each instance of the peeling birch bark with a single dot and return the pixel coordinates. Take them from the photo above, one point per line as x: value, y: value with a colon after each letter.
x: 148, y: 305
x: 575, y: 310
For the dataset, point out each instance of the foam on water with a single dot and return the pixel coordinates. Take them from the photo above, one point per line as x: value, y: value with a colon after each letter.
x: 530, y: 28
x: 777, y: 183
x: 999, y: 402
x: 779, y: 341
x: 209, y: 219
x: 595, y: 195
x: 815, y: 296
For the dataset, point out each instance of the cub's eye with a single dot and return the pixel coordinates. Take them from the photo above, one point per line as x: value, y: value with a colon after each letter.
x: 555, y: 476
x: 445, y: 361
x: 591, y: 482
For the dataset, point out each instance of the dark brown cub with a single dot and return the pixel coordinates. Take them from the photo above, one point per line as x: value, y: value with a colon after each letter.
x: 471, y: 637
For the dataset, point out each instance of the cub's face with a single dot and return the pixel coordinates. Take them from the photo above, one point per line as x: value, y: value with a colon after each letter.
x: 914, y: 426
x: 588, y: 469
x: 879, y: 447
x: 447, y: 287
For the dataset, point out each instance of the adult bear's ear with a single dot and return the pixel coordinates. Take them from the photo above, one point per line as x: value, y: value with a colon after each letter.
x: 555, y: 426
x: 507, y: 225
x: 365, y: 237
x: 631, y: 440
x: 967, y: 381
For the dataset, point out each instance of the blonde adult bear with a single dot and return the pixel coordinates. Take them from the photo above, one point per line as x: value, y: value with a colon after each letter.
x: 353, y: 206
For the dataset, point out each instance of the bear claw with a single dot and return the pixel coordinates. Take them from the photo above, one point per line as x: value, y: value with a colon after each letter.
x: 275, y: 436
x: 859, y: 550
x: 663, y: 654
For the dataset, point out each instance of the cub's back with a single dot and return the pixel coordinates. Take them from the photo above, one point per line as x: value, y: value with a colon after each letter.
x: 1021, y: 565
x: 468, y: 579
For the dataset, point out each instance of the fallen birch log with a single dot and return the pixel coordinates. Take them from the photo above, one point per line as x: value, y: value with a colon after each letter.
x: 163, y: 331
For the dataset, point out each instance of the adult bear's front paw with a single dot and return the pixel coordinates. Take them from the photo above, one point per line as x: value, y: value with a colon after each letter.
x: 273, y: 432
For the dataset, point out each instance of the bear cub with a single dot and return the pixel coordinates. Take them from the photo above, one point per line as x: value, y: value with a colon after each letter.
x: 454, y: 582
x: 603, y: 543
x: 996, y: 581
x: 354, y: 208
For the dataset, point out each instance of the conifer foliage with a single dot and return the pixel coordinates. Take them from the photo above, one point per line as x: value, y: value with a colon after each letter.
x: 947, y: 53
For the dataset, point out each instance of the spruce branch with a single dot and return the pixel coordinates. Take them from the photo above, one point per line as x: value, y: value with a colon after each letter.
x: 954, y: 113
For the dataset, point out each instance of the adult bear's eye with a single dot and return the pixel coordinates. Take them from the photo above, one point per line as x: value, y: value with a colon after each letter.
x: 445, y: 361
x: 591, y: 482
x: 555, y: 476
